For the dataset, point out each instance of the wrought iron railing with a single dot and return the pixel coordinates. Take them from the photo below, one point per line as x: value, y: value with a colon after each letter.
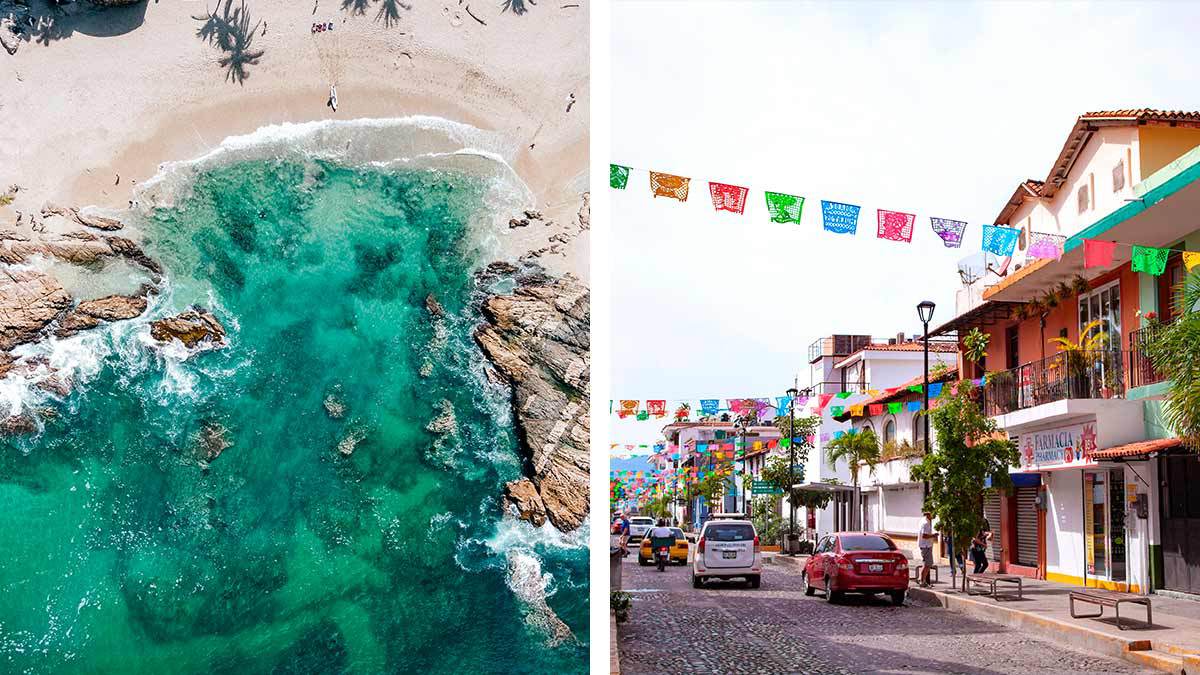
x: 1141, y: 370
x: 1066, y: 375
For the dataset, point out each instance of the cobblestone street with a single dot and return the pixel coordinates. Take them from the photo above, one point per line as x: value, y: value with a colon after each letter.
x: 730, y: 628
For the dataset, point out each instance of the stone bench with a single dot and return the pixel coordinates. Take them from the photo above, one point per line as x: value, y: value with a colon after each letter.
x: 1105, y: 598
x: 990, y: 580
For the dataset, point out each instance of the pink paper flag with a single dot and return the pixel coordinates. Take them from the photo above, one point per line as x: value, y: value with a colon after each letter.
x: 895, y: 225
x: 728, y: 197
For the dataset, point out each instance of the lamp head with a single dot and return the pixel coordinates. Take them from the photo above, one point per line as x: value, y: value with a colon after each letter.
x: 792, y: 392
x: 925, y: 310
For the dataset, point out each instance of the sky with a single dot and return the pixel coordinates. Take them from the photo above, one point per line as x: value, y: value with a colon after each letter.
x: 936, y: 109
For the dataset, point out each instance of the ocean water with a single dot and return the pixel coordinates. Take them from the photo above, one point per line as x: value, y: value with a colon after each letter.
x: 124, y: 551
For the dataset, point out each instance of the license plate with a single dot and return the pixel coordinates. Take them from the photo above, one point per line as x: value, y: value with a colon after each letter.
x: 874, y: 568
x: 729, y: 555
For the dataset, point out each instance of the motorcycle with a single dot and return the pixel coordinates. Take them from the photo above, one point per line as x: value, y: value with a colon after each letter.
x: 663, y: 555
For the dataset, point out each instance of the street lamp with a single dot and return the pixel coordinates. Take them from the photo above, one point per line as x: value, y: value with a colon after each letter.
x: 739, y: 427
x: 792, y: 394
x: 925, y: 313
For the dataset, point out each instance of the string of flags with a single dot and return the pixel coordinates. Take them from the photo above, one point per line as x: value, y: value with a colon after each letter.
x: 843, y: 218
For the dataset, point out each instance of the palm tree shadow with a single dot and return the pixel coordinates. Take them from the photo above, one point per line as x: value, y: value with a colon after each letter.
x: 228, y: 29
x: 517, y: 6
x: 45, y: 21
x: 388, y: 14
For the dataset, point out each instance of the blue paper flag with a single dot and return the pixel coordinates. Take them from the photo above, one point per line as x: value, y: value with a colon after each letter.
x: 710, y: 406
x: 1001, y: 241
x: 914, y: 406
x: 839, y: 218
x: 935, y: 390
x: 838, y: 434
x: 783, y: 403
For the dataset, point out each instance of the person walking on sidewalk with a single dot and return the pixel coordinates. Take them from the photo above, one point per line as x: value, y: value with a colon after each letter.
x: 925, y: 544
x: 979, y: 547
x: 623, y: 531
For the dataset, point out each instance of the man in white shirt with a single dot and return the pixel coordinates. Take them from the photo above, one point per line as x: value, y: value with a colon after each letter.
x: 660, y: 532
x: 925, y: 543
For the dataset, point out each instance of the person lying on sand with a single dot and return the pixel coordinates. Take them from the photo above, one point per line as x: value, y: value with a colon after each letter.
x: 332, y: 103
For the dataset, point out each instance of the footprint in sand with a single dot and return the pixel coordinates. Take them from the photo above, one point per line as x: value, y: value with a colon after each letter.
x: 455, y: 16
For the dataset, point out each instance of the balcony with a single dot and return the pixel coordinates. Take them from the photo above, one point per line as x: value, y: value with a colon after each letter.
x: 836, y: 345
x: 1141, y: 370
x: 1062, y: 377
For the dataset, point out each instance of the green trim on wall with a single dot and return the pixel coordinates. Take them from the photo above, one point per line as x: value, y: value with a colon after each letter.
x: 1158, y: 389
x: 1155, y: 425
x: 1155, y: 188
x: 1156, y: 566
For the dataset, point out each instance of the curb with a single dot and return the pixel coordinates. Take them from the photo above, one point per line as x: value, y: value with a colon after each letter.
x: 1140, y: 651
x: 614, y: 655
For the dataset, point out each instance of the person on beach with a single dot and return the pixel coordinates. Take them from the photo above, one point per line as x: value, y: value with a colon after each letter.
x: 925, y: 544
x: 332, y: 103
x: 979, y: 546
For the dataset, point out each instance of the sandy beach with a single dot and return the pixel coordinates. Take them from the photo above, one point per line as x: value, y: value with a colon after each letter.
x: 109, y: 94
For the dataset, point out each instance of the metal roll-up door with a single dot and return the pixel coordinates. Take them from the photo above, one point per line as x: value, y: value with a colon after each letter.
x: 991, y: 511
x: 1027, y: 533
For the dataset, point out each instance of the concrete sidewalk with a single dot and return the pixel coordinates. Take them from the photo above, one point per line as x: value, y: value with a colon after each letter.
x: 1172, y: 644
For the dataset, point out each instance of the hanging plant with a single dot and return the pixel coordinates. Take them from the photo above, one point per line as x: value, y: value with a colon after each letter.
x: 1036, y: 306
x: 1080, y: 285
x: 1065, y: 290
x: 1020, y: 312
x: 1050, y: 300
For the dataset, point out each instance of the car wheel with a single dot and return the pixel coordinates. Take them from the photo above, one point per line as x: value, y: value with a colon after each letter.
x: 831, y: 596
x: 897, y: 598
x: 641, y: 562
x: 808, y: 589
x: 755, y: 581
x: 697, y: 582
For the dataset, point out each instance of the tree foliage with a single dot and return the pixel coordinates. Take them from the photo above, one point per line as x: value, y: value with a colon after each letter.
x: 970, y: 449
x: 856, y: 448
x: 975, y: 345
x: 1174, y: 349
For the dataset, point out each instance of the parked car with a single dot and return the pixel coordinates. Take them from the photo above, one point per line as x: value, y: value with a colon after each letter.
x: 727, y: 549
x: 856, y: 562
x: 679, y: 550
x: 639, y: 526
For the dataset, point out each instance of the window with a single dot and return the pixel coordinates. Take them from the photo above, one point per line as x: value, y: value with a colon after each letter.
x: 1082, y: 196
x: 866, y: 542
x: 919, y: 433
x: 729, y: 532
x: 1118, y: 176
x: 889, y: 431
x: 1103, y: 305
x: 1167, y: 283
x: 1011, y: 344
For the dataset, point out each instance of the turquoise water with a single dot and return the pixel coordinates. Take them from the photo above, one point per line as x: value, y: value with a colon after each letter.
x: 123, y: 552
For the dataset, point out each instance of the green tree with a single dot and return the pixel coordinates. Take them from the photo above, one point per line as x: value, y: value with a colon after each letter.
x: 970, y: 449
x: 975, y: 345
x: 1174, y: 349
x: 856, y: 448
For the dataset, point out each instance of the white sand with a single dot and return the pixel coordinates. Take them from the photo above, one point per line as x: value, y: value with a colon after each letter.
x: 78, y: 112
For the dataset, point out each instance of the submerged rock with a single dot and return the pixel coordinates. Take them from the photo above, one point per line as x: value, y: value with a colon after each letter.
x: 29, y: 301
x: 91, y: 313
x: 213, y: 440
x: 538, y: 338
x: 347, y: 445
x: 191, y: 328
x: 526, y: 580
x: 445, y: 422
x: 524, y: 496
x: 16, y: 425
x: 334, y: 407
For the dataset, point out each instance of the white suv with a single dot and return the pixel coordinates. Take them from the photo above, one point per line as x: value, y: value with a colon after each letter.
x: 727, y: 549
x: 639, y: 526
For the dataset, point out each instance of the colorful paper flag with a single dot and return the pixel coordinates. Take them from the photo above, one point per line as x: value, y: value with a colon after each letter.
x: 727, y: 197
x: 1152, y: 261
x: 1044, y: 245
x: 875, y: 409
x: 709, y: 406
x: 822, y: 401
x: 895, y: 408
x: 896, y: 226
x: 998, y: 240
x: 657, y: 408
x: 839, y: 218
x: 950, y: 231
x: 1191, y: 259
x: 618, y: 176
x: 784, y: 208
x: 627, y: 408
x: 669, y: 185
x: 935, y: 389
x: 845, y: 394
x: 836, y: 410
x: 1098, y: 253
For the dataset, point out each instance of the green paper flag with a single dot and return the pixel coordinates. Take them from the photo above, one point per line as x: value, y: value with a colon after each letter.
x: 643, y: 415
x: 784, y: 208
x: 785, y: 442
x: 836, y: 410
x: 915, y: 387
x: 844, y: 394
x: 618, y: 176
x: 894, y: 408
x: 1152, y: 261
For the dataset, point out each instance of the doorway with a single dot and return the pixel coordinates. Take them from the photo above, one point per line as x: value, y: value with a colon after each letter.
x: 1104, y: 524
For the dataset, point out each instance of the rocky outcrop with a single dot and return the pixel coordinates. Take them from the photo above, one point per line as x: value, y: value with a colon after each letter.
x: 192, y: 328
x: 29, y: 301
x: 72, y: 214
x: 523, y: 495
x: 212, y: 441
x: 77, y: 248
x: 538, y: 338
x: 525, y: 578
x: 91, y: 313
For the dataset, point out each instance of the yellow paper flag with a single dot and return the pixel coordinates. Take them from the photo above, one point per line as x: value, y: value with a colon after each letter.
x: 1191, y: 259
x: 667, y: 185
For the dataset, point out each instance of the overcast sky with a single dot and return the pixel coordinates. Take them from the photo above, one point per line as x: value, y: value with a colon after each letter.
x: 935, y: 109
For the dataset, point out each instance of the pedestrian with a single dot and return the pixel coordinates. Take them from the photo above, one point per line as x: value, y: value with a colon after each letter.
x: 623, y: 531
x: 925, y: 544
x: 979, y: 546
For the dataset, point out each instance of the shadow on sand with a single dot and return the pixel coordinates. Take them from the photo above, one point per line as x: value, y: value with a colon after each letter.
x: 45, y: 21
x: 388, y: 14
x: 228, y: 29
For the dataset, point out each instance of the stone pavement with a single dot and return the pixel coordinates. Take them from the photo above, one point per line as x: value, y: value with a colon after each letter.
x: 729, y: 628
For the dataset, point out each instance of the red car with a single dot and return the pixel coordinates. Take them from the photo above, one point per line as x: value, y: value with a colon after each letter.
x: 857, y: 562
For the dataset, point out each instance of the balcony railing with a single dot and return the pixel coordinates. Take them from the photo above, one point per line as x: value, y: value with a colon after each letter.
x: 1066, y: 375
x: 1141, y: 370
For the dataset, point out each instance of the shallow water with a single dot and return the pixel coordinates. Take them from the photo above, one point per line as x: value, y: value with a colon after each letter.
x: 126, y: 552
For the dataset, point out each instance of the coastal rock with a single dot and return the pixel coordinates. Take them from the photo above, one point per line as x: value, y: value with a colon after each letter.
x: 16, y: 425
x: 77, y: 248
x: 435, y: 309
x: 538, y: 338
x: 72, y: 214
x: 445, y: 422
x: 213, y: 440
x: 334, y: 407
x: 346, y: 445
x: 116, y: 3
x: 29, y: 301
x: 91, y: 313
x: 6, y: 363
x: 524, y: 496
x: 527, y: 582
x: 191, y: 328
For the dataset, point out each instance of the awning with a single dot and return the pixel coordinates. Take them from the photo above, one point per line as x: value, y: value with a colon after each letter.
x: 823, y: 487
x: 1139, y: 449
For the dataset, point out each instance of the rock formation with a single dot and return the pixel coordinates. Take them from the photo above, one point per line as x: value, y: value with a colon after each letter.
x: 538, y: 338
x: 192, y: 327
x: 524, y: 496
x: 91, y: 313
x: 72, y: 214
x: 79, y: 248
x: 29, y: 301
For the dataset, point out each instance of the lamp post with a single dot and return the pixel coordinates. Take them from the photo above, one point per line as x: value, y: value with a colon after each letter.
x: 925, y: 313
x: 740, y: 427
x: 792, y: 394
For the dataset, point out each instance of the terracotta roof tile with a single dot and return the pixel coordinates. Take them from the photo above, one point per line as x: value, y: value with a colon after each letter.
x: 1144, y: 115
x: 1139, y: 448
